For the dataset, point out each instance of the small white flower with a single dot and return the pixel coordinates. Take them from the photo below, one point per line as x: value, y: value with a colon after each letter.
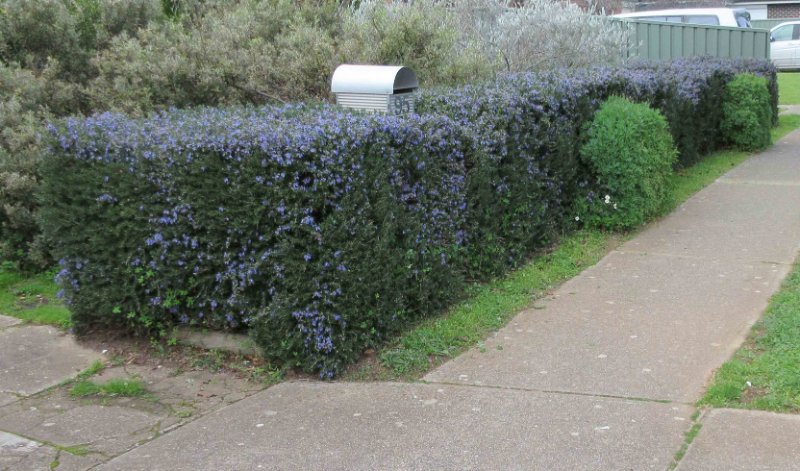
x: 607, y: 199
x: 577, y: 218
x: 615, y: 205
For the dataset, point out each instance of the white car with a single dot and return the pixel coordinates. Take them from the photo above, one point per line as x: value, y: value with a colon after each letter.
x: 734, y: 17
x: 784, y: 47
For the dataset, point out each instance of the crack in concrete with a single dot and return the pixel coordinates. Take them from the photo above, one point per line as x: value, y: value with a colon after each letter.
x: 555, y: 391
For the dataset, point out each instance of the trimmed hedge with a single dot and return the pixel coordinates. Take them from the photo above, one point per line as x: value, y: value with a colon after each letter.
x: 321, y: 231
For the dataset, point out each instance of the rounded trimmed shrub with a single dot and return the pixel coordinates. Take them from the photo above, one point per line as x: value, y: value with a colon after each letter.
x: 630, y: 155
x: 747, y: 113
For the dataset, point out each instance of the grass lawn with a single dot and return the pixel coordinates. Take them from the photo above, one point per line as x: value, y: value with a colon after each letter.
x: 490, y: 306
x: 789, y: 88
x: 31, y: 298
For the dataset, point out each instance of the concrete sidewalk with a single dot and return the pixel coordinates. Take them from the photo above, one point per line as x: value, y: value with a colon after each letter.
x: 604, y: 377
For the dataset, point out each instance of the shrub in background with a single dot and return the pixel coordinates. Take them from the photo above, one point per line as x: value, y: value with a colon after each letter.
x: 423, y: 35
x: 538, y: 35
x: 747, y: 116
x: 630, y: 154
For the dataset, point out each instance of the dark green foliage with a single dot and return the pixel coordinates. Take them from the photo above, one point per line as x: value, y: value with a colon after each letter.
x: 747, y: 113
x: 630, y: 155
x: 322, y: 232
x: 520, y: 187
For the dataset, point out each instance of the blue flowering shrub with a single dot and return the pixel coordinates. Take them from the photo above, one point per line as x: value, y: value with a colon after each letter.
x: 320, y: 231
x: 746, y: 113
x: 519, y: 188
x: 523, y: 188
x: 630, y: 154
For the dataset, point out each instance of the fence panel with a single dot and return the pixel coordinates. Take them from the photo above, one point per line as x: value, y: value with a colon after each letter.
x: 657, y: 40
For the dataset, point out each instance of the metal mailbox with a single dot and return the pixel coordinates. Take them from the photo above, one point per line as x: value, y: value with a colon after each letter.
x: 378, y: 88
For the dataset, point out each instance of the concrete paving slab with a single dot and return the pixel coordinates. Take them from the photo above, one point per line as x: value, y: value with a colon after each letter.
x: 733, y: 221
x: 21, y: 454
x: 6, y: 321
x: 107, y: 426
x: 367, y: 426
x: 739, y: 440
x: 34, y: 358
x: 106, y: 429
x: 6, y: 398
x: 634, y: 325
x: 780, y: 165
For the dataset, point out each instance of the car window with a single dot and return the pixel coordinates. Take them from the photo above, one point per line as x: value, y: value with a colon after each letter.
x: 784, y: 33
x: 674, y: 19
x: 653, y: 18
x: 702, y: 20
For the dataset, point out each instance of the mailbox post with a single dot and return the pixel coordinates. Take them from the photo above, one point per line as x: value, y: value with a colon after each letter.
x: 378, y: 88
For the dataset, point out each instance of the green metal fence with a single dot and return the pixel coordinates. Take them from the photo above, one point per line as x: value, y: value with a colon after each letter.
x: 657, y: 41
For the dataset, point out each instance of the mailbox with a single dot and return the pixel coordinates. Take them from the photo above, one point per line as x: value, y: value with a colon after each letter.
x: 378, y: 88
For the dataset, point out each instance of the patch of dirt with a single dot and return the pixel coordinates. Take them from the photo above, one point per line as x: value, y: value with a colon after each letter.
x: 750, y: 394
x: 367, y: 368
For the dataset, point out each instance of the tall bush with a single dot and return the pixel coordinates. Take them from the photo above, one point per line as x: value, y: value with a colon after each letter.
x: 746, y: 113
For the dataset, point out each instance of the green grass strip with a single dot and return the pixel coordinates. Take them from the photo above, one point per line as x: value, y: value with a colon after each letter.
x: 765, y: 372
x: 489, y: 307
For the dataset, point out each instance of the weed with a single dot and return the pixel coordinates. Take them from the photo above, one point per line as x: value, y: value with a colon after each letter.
x: 183, y: 414
x: 76, y: 450
x: 92, y: 370
x: 689, y: 437
x: 117, y: 387
x: 84, y: 388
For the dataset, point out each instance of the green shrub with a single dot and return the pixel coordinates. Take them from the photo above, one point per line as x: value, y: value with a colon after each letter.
x: 321, y: 231
x: 747, y: 113
x: 631, y: 153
